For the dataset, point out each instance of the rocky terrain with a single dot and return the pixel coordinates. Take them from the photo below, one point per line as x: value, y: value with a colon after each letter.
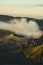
x: 14, y: 44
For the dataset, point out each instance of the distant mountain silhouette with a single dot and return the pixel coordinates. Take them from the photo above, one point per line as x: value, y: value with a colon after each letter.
x: 5, y: 17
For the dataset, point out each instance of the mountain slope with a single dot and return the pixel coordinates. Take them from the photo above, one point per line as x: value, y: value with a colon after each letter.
x: 34, y: 53
x: 16, y: 44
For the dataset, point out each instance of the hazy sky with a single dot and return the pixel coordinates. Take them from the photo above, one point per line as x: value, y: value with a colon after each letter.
x: 22, y: 1
x: 22, y: 7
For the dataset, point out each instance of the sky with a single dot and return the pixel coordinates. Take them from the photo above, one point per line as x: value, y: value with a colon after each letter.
x: 22, y: 7
x: 22, y: 1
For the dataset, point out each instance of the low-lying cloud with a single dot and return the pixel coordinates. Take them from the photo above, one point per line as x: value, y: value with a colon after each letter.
x: 28, y: 29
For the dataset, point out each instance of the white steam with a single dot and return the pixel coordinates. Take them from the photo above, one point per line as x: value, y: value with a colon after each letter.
x: 30, y: 29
